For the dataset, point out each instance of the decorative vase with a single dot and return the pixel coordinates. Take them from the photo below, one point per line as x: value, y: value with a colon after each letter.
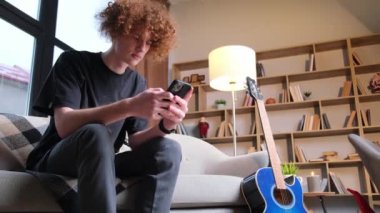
x: 220, y: 106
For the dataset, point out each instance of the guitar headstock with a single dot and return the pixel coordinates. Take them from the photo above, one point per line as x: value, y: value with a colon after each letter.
x: 253, y: 90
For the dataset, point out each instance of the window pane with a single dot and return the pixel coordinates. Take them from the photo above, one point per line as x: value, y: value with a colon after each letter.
x: 81, y: 33
x: 57, y: 52
x: 30, y: 7
x: 16, y: 57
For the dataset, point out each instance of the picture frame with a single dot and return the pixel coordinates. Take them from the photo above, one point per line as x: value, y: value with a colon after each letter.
x: 194, y: 78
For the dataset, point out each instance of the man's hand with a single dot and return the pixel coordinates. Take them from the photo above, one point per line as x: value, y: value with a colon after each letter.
x: 176, y: 110
x: 151, y: 103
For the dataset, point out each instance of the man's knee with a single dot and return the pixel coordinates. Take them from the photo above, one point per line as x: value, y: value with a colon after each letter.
x: 95, y: 138
x: 168, y: 151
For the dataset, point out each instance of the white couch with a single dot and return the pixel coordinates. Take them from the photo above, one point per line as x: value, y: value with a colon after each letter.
x: 209, y: 180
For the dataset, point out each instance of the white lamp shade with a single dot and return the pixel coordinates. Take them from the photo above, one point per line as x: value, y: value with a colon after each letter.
x: 229, y: 67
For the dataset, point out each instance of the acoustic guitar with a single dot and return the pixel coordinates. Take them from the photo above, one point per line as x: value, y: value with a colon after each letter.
x: 267, y: 190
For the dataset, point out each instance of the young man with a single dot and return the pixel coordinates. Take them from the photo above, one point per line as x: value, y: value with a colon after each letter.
x: 94, y: 99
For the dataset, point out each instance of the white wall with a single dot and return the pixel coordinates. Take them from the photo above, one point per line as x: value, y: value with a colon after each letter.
x: 261, y: 24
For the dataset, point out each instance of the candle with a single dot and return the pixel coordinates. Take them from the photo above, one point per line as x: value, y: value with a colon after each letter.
x: 313, y: 182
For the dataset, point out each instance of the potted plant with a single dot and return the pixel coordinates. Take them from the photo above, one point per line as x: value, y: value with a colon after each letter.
x: 220, y: 103
x: 289, y: 169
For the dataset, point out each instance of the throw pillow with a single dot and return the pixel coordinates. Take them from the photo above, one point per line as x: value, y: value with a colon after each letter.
x: 18, y: 136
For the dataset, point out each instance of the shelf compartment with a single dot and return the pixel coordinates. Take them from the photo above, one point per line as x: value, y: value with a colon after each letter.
x: 351, y: 175
x: 326, y: 51
x: 283, y: 143
x: 314, y: 146
x: 338, y: 113
x: 316, y: 80
x: 284, y: 52
x: 371, y: 103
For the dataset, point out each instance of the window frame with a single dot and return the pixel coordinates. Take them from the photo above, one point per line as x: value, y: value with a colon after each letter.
x: 43, y: 30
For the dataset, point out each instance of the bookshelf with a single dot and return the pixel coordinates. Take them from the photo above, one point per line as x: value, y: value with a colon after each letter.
x: 332, y: 71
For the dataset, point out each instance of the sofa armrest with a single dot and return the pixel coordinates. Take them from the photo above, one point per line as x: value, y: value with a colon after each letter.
x: 200, y: 157
x: 241, y: 165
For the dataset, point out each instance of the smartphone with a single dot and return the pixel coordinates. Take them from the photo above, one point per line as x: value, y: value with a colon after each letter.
x: 179, y: 88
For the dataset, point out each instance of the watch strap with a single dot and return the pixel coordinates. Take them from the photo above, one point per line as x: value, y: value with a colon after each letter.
x: 163, y: 129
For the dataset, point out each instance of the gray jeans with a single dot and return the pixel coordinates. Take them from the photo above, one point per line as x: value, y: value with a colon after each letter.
x: 88, y: 154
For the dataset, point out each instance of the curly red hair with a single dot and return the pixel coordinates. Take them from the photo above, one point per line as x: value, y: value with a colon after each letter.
x: 121, y: 17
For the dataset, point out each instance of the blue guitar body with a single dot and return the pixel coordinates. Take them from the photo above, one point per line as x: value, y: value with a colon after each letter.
x: 261, y: 195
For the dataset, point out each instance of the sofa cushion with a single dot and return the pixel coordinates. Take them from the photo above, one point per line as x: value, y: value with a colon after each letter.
x: 18, y: 136
x: 21, y: 192
x: 207, y: 191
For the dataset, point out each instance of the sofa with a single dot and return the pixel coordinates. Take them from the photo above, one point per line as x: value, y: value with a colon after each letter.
x: 209, y: 180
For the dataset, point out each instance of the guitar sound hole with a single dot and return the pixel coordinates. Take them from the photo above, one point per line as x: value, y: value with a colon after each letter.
x: 283, y: 196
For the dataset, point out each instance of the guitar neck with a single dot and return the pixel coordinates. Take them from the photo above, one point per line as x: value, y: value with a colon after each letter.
x: 273, y: 156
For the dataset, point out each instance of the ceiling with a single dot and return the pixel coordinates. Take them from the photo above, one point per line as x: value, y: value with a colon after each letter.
x: 366, y: 11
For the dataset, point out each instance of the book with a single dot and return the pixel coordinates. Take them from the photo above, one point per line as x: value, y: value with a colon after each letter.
x: 356, y: 59
x: 221, y: 130
x: 374, y: 187
x: 350, y: 121
x: 300, y: 155
x: 306, y: 125
x: 316, y: 160
x: 301, y: 123
x: 316, y: 122
x: 361, y: 86
x: 347, y: 85
x: 230, y: 129
x: 311, y: 62
x: 260, y: 70
x: 337, y: 182
x: 368, y: 115
x: 299, y: 93
x: 364, y: 117
x: 295, y: 92
x: 326, y: 121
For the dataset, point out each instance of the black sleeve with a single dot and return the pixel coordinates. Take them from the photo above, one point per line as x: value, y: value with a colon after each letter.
x: 62, y: 87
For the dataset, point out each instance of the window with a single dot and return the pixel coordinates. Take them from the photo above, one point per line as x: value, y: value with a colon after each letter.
x: 81, y: 33
x: 29, y: 7
x: 57, y: 53
x: 15, y: 68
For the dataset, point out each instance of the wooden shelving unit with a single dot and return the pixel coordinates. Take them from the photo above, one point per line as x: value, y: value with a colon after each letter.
x: 333, y: 65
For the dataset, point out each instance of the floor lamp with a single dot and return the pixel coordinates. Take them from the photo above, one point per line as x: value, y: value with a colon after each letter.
x: 229, y: 67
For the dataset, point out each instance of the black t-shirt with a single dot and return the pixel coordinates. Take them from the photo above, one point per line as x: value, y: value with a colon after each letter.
x: 79, y: 80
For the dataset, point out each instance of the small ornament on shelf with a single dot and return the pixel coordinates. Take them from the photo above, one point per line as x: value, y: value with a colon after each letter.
x: 270, y: 100
x: 203, y: 127
x: 307, y: 95
x: 220, y: 103
x: 374, y: 84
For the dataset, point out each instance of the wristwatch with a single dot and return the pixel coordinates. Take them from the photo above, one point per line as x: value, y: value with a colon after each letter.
x: 163, y: 129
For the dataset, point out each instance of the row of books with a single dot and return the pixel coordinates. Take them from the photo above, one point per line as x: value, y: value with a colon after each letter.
x: 310, y: 64
x: 365, y: 118
x: 300, y: 155
x: 338, y: 184
x: 310, y: 122
x: 225, y: 129
x: 248, y: 100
